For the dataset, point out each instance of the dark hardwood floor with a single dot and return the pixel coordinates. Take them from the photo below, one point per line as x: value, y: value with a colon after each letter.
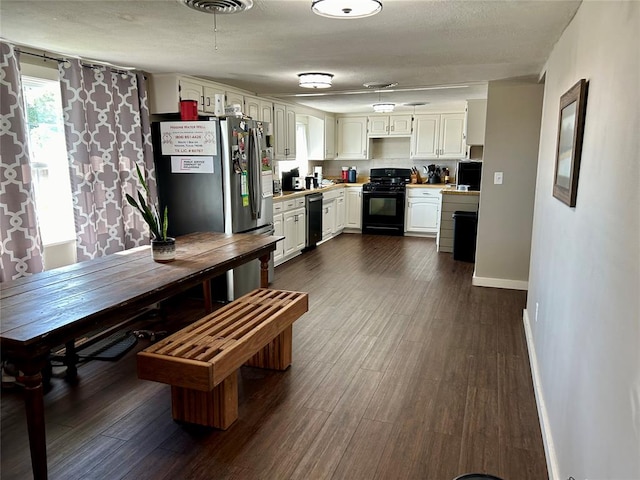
x: 402, y: 370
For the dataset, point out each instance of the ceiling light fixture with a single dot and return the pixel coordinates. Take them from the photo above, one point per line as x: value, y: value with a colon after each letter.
x: 383, y: 107
x: 346, y: 8
x: 315, y: 80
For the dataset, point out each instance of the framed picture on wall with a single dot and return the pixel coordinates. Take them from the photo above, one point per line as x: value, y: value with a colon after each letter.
x: 573, y: 106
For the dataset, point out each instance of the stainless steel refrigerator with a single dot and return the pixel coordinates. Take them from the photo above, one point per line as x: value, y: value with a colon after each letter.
x: 217, y: 176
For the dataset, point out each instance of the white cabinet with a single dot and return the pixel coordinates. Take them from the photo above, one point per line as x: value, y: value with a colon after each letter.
x: 294, y: 231
x: 278, y: 230
x: 284, y: 127
x: 210, y: 98
x: 438, y: 136
x: 258, y: 109
x: 166, y: 91
x: 423, y: 210
x: 329, y: 137
x: 190, y: 90
x: 333, y: 212
x: 340, y: 215
x: 353, y: 207
x: 266, y: 111
x: 390, y: 125
x: 252, y: 107
x: 328, y: 218
x: 235, y: 98
x: 476, y: 121
x: 289, y: 220
x: 352, y: 138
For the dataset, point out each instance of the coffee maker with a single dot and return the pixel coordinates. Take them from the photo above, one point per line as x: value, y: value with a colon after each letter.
x: 291, y: 180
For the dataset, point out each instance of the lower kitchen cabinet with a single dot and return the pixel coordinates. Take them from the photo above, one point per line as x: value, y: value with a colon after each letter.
x: 289, y: 220
x: 423, y: 211
x: 328, y: 218
x: 294, y: 231
x: 340, y: 212
x: 353, y: 208
x: 333, y: 213
x: 278, y: 230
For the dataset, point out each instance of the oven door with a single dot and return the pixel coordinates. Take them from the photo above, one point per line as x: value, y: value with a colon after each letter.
x: 383, y: 213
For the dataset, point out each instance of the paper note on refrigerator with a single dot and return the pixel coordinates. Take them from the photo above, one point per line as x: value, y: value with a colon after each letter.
x: 189, y: 164
x: 267, y: 184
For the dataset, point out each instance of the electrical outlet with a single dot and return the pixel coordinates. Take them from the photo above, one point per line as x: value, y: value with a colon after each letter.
x: 536, y: 312
x: 497, y: 178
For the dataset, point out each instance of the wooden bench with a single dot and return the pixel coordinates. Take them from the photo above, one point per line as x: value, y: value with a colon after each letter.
x: 200, y: 362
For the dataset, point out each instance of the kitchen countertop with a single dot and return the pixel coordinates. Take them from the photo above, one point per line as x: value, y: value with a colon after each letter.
x: 426, y: 185
x: 453, y: 191
x: 302, y: 193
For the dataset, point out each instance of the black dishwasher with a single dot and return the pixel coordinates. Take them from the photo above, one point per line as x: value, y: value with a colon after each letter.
x: 313, y: 204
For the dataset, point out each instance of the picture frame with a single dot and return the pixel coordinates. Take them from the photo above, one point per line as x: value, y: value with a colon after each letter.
x: 573, y: 106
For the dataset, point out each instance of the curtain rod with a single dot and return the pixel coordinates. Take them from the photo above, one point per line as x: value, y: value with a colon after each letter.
x: 46, y: 57
x: 84, y: 63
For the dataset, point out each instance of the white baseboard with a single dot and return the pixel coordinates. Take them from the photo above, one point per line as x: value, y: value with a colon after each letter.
x: 547, y: 439
x: 499, y: 283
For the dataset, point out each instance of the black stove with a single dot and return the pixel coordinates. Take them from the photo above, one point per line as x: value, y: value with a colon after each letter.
x: 387, y: 180
x: 383, y: 200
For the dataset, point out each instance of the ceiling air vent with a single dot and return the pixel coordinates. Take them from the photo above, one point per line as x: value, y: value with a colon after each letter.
x: 218, y: 6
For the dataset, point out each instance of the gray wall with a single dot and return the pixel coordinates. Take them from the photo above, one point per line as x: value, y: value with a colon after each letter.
x: 506, y: 211
x: 585, y: 261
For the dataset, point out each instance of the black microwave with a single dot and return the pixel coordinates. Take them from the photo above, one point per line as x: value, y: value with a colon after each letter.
x: 469, y: 173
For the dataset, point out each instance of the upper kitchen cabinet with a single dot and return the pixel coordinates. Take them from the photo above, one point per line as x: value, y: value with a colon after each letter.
x: 352, y: 138
x: 329, y: 136
x: 284, y: 129
x: 258, y: 109
x: 321, y: 132
x: 210, y: 93
x: 390, y: 125
x: 233, y: 97
x: 476, y: 120
x: 166, y: 91
x: 438, y: 136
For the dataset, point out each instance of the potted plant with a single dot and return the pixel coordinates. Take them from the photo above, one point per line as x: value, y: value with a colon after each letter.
x: 163, y: 248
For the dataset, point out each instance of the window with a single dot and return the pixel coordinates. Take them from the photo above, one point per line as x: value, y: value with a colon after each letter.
x: 48, y: 155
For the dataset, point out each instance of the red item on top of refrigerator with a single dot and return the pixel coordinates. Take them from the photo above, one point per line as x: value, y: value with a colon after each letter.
x: 188, y: 110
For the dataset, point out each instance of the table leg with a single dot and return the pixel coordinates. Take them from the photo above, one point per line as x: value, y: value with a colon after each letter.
x: 264, y: 271
x: 34, y: 405
x: 70, y: 361
x: 206, y: 291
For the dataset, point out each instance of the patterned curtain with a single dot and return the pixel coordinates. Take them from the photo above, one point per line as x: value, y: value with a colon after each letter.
x: 21, y: 247
x: 107, y: 132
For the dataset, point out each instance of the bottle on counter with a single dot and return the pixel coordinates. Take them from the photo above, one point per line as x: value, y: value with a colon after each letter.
x: 345, y: 174
x: 353, y: 175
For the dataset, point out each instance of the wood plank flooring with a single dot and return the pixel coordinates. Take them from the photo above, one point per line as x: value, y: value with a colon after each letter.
x: 401, y: 370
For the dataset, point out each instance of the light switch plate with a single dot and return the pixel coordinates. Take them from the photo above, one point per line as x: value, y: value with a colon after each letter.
x: 497, y: 178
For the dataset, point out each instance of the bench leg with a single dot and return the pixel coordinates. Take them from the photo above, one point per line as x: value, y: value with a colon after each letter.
x: 218, y: 408
x: 277, y: 354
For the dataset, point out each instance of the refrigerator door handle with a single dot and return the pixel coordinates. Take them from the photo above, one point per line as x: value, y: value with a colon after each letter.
x: 255, y: 174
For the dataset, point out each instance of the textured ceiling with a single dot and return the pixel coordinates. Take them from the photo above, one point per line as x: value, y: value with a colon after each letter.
x: 419, y: 43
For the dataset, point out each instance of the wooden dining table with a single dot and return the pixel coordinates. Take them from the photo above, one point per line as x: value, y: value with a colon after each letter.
x: 53, y: 308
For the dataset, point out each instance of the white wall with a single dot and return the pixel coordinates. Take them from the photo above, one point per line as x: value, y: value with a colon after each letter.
x: 585, y: 261
x: 512, y: 135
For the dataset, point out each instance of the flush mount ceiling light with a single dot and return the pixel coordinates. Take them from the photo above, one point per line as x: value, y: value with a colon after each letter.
x: 383, y: 107
x: 315, y: 80
x: 346, y: 8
